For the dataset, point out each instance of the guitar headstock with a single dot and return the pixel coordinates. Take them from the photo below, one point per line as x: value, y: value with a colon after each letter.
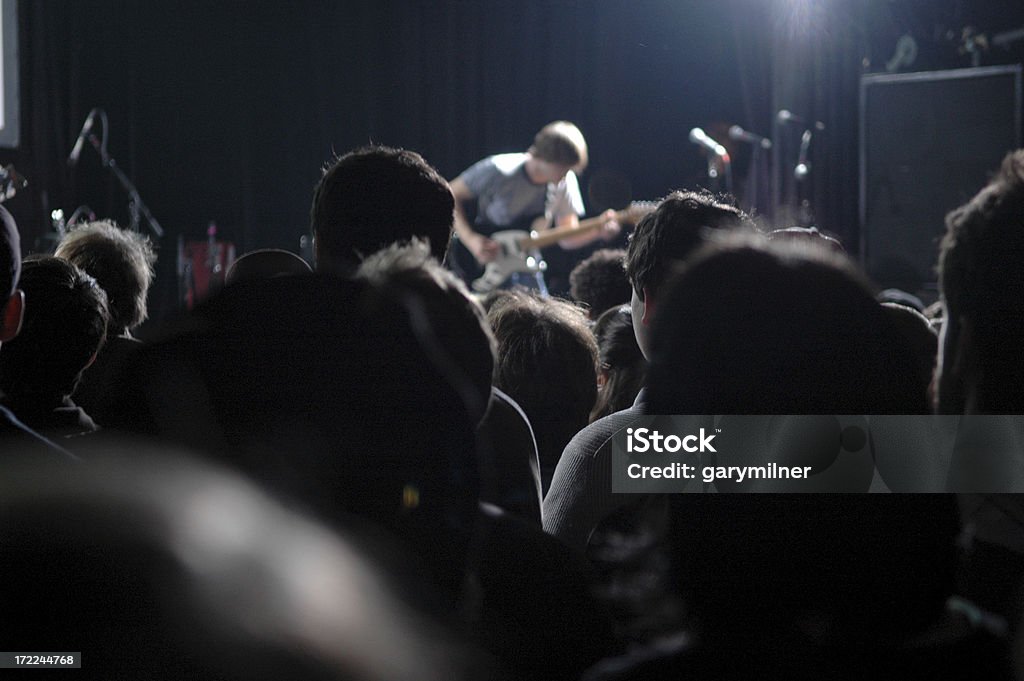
x: 11, y: 182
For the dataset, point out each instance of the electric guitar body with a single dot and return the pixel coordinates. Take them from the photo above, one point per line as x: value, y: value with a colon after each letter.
x: 521, y: 248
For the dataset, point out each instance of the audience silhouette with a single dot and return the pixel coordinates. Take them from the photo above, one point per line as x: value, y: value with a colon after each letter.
x: 357, y: 470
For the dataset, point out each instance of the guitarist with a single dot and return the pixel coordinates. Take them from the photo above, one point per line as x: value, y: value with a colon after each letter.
x: 509, y: 189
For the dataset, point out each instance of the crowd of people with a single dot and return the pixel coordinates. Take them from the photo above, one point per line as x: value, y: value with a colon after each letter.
x: 360, y: 470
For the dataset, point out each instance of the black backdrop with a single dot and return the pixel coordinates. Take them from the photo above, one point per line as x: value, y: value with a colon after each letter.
x: 226, y: 110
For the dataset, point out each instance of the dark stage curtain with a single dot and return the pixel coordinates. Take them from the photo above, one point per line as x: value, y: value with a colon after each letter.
x: 225, y: 111
x: 819, y: 51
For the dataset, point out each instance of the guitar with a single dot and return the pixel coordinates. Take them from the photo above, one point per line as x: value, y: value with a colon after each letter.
x: 520, y: 249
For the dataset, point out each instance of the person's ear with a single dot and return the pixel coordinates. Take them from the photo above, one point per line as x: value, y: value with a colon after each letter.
x: 13, y: 311
x: 648, y: 307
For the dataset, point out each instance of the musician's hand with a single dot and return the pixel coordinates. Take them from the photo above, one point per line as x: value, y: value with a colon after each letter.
x: 611, y: 228
x: 483, y: 249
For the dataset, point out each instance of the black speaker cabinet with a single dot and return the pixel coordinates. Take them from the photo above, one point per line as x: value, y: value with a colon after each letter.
x: 928, y: 142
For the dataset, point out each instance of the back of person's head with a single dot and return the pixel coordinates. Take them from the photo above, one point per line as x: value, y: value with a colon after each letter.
x: 65, y: 324
x: 546, y: 362
x: 777, y: 328
x: 561, y: 143
x: 334, y: 392
x: 981, y: 279
x: 155, y: 566
x: 900, y: 297
x: 464, y: 344
x: 10, y: 271
x: 921, y: 338
x: 266, y: 263
x: 748, y: 327
x: 622, y: 367
x: 600, y: 281
x: 680, y: 224
x: 374, y: 196
x: 806, y: 234
x: 121, y: 262
x: 496, y: 297
x: 672, y: 232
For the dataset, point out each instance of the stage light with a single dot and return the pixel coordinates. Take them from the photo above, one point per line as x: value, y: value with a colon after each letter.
x: 802, y: 18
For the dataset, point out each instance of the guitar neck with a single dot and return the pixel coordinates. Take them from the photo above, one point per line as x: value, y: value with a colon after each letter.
x: 555, y: 235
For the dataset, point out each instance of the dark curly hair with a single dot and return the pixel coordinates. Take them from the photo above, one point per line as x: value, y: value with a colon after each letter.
x: 65, y: 325
x: 600, y: 282
x: 674, y: 231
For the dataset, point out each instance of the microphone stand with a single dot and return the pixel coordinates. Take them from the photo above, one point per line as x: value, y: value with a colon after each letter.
x: 753, y: 190
x: 803, y: 188
x: 713, y: 173
x: 792, y: 193
x: 136, y: 205
x: 757, y: 173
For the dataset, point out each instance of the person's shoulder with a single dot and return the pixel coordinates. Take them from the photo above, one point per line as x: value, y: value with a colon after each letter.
x: 508, y: 164
x: 590, y: 440
x: 570, y: 187
x: 479, y: 176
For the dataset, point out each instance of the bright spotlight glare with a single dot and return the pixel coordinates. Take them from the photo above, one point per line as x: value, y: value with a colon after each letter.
x: 802, y: 18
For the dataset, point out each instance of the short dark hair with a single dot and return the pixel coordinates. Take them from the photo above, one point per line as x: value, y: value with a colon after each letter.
x: 561, y: 142
x: 671, y: 233
x: 64, y: 326
x: 600, y: 282
x: 757, y: 327
x: 988, y: 230
x: 121, y: 262
x: 266, y: 263
x: 458, y: 324
x: 10, y: 256
x: 375, y: 196
x: 981, y: 278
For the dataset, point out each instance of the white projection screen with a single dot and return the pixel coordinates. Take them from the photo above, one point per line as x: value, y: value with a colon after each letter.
x: 9, y: 104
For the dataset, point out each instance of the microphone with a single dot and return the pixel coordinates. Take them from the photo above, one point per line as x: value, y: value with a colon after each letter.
x: 76, y: 151
x: 739, y: 134
x: 699, y: 137
x: 803, y: 168
x: 786, y: 116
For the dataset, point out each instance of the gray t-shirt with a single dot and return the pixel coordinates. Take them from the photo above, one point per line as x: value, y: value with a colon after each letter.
x: 505, y: 196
